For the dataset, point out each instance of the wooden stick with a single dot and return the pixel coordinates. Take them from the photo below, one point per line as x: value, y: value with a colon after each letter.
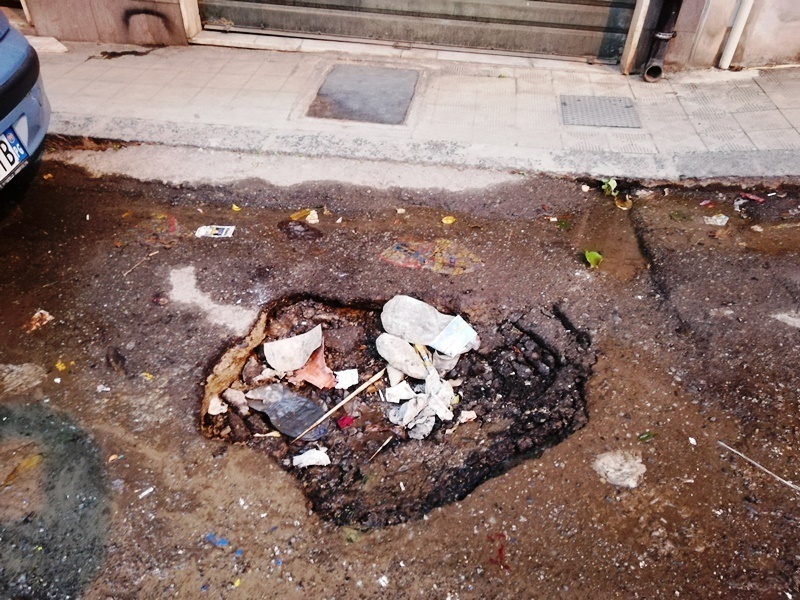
x: 128, y: 272
x: 357, y: 391
x: 758, y: 466
x: 383, y: 445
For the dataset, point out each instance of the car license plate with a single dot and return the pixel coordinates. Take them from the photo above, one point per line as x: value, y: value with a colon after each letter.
x: 12, y: 155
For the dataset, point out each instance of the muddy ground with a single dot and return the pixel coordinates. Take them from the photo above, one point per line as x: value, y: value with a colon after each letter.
x: 126, y: 490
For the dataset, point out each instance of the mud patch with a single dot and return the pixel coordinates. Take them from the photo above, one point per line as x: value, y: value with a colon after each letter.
x: 525, y: 385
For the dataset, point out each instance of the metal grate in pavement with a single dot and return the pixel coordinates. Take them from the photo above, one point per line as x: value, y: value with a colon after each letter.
x: 599, y: 111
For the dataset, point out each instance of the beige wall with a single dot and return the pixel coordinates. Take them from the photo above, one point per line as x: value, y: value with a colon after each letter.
x: 144, y: 22
x: 771, y: 36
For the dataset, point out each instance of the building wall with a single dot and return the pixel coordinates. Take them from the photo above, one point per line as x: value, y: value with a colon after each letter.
x: 771, y: 36
x: 142, y: 22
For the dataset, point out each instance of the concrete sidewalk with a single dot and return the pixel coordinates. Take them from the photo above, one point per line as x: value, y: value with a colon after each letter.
x: 473, y: 110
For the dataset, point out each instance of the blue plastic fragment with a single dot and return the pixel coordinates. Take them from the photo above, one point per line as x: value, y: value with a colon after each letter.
x: 238, y: 553
x: 278, y: 562
x: 205, y: 587
x: 218, y: 542
x: 273, y: 528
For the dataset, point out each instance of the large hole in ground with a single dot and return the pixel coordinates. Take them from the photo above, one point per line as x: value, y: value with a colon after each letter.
x: 526, y: 385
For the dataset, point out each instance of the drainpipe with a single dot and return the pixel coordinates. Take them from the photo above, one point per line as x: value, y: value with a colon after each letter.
x: 665, y: 31
x: 736, y: 33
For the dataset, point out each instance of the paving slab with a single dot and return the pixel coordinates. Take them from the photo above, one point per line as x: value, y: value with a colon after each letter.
x: 465, y: 110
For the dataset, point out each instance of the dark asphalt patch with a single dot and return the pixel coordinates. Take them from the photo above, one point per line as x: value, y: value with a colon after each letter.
x: 371, y: 94
x: 55, y: 552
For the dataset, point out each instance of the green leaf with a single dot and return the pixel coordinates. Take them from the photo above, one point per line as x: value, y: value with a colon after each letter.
x: 610, y: 186
x: 593, y: 258
x: 647, y: 436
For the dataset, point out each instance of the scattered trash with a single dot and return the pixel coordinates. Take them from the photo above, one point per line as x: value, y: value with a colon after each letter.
x: 235, y: 208
x: 455, y: 339
x: 620, y: 468
x: 398, y: 393
x: 299, y: 230
x: 646, y: 436
x: 708, y: 203
x: 593, y: 258
x: 215, y: 231
x: 753, y: 197
x: 101, y: 389
x: 217, y: 406
x: 315, y: 371
x: 344, y: 422
x: 585, y: 188
x: 762, y: 468
x: 738, y: 203
x: 217, y: 542
x: 395, y: 375
x: 147, y: 376
x: 626, y: 204
x: 28, y: 463
x: 292, y: 353
x: 310, y: 458
x: 61, y: 366
x: 401, y: 211
x: 57, y: 380
x: 289, y: 413
x: 693, y: 441
x: 383, y: 581
x: 47, y: 176
x: 757, y: 228
x: 346, y: 379
x: 339, y: 220
x: 448, y: 220
x: 237, y: 582
x: 146, y: 493
x: 443, y: 256
x: 40, y: 318
x: 417, y: 322
x: 237, y: 400
x: 401, y: 355
x: 347, y: 399
x: 467, y: 416
x: 718, y: 220
x: 312, y: 218
x: 300, y: 214
x: 115, y: 457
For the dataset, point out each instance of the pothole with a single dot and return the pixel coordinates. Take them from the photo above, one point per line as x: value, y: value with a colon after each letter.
x: 525, y: 385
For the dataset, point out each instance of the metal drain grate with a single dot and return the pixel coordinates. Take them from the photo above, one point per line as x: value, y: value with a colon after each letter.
x: 599, y: 111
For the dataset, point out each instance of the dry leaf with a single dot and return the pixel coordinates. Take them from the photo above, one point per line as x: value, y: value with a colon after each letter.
x: 31, y: 462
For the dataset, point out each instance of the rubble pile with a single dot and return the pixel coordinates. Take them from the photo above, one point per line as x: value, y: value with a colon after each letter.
x: 384, y: 412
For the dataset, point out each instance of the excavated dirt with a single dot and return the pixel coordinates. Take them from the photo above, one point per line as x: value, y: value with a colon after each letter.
x: 526, y: 389
x: 691, y: 324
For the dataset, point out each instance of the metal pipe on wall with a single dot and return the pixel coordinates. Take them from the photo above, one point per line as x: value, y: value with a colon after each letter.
x: 735, y: 35
x: 665, y: 31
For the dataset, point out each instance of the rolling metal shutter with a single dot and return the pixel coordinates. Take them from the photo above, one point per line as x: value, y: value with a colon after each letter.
x: 595, y: 29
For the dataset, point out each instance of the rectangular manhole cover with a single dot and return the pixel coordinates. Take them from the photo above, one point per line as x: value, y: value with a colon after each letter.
x: 599, y: 111
x: 371, y: 94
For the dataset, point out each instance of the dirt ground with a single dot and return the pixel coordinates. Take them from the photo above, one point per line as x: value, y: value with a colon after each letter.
x: 129, y: 500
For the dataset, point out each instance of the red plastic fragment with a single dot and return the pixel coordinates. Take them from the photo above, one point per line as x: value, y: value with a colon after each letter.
x: 345, y: 421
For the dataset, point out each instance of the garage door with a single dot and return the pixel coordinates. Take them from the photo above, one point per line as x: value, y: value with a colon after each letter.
x: 595, y: 29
